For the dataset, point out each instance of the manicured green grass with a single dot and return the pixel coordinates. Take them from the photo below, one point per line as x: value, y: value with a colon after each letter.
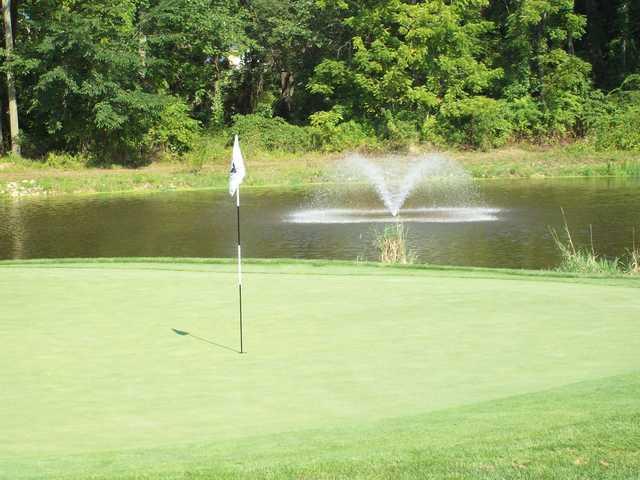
x: 352, y: 371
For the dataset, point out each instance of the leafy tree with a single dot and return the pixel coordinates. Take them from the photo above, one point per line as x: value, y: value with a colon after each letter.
x: 407, y: 60
x: 187, y: 45
x: 287, y: 39
x: 124, y: 80
x: 545, y: 84
x: 84, y: 78
x: 531, y: 30
x: 612, y: 40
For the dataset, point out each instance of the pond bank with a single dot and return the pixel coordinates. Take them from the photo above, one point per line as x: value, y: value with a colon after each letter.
x: 22, y: 178
x: 293, y: 266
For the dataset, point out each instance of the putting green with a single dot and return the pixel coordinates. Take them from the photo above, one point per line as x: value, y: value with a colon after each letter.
x: 91, y: 363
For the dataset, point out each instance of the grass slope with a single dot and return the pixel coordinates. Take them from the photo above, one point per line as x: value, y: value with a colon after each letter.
x: 352, y: 371
x: 208, y: 168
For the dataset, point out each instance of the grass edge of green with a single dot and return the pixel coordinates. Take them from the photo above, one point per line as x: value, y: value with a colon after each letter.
x: 314, y: 263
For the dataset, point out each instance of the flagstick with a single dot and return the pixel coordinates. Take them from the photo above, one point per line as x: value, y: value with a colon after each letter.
x: 239, y: 266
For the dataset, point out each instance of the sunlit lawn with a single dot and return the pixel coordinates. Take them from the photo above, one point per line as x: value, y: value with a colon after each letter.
x: 351, y: 372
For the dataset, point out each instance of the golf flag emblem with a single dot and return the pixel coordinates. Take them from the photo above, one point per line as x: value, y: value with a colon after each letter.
x: 236, y: 175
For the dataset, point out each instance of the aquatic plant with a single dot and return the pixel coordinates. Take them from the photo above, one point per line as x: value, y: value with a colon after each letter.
x: 580, y: 259
x: 634, y: 257
x: 392, y: 245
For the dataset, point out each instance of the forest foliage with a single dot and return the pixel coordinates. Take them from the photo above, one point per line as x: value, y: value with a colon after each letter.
x: 125, y: 81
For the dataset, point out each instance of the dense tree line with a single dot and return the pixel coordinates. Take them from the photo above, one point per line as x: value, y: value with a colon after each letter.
x: 121, y: 81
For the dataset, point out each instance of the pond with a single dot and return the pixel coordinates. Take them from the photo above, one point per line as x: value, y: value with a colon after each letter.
x: 505, y: 224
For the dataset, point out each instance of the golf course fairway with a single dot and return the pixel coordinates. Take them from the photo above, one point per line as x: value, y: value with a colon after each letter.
x: 351, y: 371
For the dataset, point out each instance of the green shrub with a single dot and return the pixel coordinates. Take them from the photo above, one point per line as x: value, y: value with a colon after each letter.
x: 274, y: 133
x: 264, y: 105
x: 614, y: 120
x: 66, y: 161
x: 478, y: 122
x: 398, y: 129
x: 210, y: 146
x: 565, y: 92
x: 618, y: 131
x: 525, y: 117
x: 217, y: 104
x: 330, y: 133
x: 431, y: 132
x: 175, y: 131
x: 122, y: 126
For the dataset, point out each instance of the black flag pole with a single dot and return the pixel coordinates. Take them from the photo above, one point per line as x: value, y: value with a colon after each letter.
x: 236, y: 175
x: 239, y: 267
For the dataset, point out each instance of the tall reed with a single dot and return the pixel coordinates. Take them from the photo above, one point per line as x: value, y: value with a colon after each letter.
x: 634, y: 257
x: 391, y: 245
x: 580, y: 259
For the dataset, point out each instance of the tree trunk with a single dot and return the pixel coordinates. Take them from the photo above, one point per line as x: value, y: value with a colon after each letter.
x: 625, y: 27
x: 2, y: 108
x: 596, y: 41
x: 1, y: 139
x: 14, y: 128
x: 1, y: 119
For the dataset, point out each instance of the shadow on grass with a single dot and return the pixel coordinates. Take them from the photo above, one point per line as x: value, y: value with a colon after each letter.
x: 188, y: 334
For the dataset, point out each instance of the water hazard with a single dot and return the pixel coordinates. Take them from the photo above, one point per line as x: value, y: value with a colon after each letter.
x: 491, y: 223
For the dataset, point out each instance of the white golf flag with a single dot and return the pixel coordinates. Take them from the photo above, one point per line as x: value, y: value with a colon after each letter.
x: 237, y: 168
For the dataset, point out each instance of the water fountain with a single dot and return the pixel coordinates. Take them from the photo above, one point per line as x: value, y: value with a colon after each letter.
x: 447, y: 188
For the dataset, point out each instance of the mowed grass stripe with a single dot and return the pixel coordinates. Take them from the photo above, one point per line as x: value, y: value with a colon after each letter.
x: 96, y: 367
x: 585, y: 430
